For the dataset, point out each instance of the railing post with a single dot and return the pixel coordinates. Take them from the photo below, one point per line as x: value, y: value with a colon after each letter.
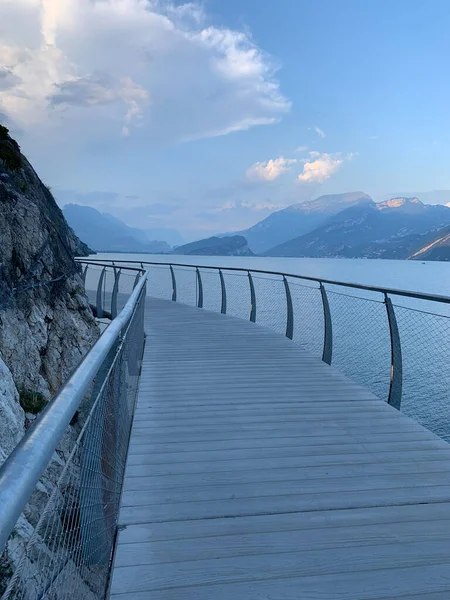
x: 252, y: 299
x: 223, y: 308
x: 115, y: 292
x: 290, y: 312
x: 396, y: 379
x: 200, y: 289
x: 136, y: 279
x: 99, y: 306
x: 327, y: 353
x: 174, y: 284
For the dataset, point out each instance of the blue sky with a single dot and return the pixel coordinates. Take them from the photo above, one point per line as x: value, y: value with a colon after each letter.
x: 207, y: 117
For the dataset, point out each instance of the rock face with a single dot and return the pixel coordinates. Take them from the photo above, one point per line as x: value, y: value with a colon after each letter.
x: 46, y: 325
x: 11, y: 414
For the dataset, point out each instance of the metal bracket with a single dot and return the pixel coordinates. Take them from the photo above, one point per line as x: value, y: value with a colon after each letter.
x: 252, y: 298
x: 396, y: 378
x: 174, y: 284
x: 115, y: 292
x: 327, y: 353
x: 200, y: 289
x: 223, y: 308
x: 290, y: 312
x: 99, y: 294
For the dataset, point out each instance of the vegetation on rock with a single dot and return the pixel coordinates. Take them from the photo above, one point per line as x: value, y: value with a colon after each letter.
x: 9, y: 151
x: 32, y: 401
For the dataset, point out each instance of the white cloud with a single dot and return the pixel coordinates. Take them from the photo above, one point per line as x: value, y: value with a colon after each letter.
x: 301, y: 149
x: 262, y: 205
x: 270, y: 169
x: 96, y: 68
x: 321, y: 167
x: 320, y: 132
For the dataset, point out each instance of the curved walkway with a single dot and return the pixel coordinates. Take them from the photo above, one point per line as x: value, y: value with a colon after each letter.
x: 258, y: 472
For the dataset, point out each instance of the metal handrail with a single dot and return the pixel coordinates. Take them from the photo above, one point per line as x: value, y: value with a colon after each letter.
x: 20, y: 473
x: 357, y: 286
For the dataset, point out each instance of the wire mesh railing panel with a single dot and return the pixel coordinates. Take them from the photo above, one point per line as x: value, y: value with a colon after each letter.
x: 159, y: 282
x: 212, y: 292
x: 61, y: 547
x: 186, y: 282
x: 108, y: 285
x: 425, y: 344
x: 308, y: 316
x: 271, y: 310
x: 361, y: 341
x: 93, y: 274
x: 238, y: 294
x: 127, y: 281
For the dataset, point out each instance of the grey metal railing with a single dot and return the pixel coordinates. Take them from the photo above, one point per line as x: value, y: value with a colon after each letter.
x: 60, y: 488
x: 394, y: 342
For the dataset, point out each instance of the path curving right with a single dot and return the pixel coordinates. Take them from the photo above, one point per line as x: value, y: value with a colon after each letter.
x: 257, y: 472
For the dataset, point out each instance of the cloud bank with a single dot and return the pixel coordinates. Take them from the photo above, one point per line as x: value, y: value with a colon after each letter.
x: 105, y: 68
x: 270, y: 169
x: 321, y: 167
x: 317, y: 169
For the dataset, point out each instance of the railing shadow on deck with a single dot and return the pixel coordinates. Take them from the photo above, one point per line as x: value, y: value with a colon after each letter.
x: 394, y: 342
x: 60, y: 488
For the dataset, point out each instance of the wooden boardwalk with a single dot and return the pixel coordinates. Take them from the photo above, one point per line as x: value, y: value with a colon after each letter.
x: 256, y: 472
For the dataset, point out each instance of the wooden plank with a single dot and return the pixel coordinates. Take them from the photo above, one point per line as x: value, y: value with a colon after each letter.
x: 260, y: 475
x: 302, y: 488
x: 182, y: 511
x: 140, y: 468
x: 283, y: 565
x: 296, y: 521
x: 317, y: 428
x: 143, y: 456
x: 405, y: 441
x: 430, y: 582
x: 302, y: 540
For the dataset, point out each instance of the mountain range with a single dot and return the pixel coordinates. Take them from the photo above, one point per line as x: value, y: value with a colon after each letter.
x: 349, y: 225
x: 299, y: 219
x: 105, y: 233
x: 396, y: 228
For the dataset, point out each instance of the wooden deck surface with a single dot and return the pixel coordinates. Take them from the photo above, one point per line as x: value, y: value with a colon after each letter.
x: 257, y: 472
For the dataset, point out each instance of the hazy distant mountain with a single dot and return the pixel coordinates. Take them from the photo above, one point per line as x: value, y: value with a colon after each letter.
x: 299, y: 219
x: 214, y: 246
x: 166, y: 234
x: 389, y: 229
x: 105, y: 233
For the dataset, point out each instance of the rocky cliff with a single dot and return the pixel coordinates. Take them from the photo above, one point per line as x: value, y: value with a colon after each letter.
x: 46, y: 325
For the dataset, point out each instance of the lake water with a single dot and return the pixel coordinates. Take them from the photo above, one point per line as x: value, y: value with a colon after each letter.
x: 361, y: 339
x: 429, y: 277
